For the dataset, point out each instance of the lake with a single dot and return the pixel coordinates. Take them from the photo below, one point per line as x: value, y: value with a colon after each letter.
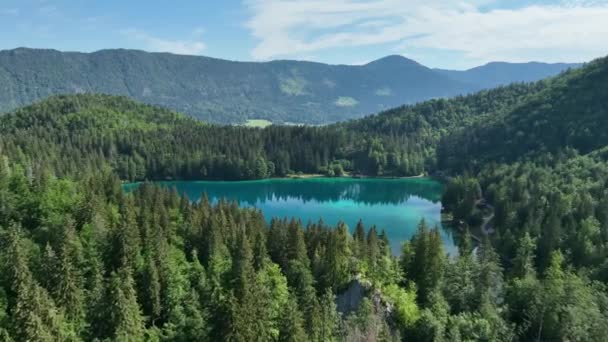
x: 395, y: 205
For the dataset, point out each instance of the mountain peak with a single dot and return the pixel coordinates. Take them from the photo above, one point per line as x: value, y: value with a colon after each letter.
x: 394, y: 61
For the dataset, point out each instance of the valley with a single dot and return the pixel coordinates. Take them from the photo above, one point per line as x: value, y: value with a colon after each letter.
x: 106, y: 235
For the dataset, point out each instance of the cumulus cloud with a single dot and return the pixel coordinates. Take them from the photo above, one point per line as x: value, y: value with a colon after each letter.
x: 177, y: 46
x: 477, y: 30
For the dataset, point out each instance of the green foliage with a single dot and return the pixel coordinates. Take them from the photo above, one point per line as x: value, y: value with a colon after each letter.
x: 149, y: 265
x: 126, y: 322
x: 404, y: 301
x: 568, y: 112
x: 460, y: 197
x: 368, y: 323
x: 81, y: 134
x: 292, y: 323
x: 423, y: 261
x: 82, y: 260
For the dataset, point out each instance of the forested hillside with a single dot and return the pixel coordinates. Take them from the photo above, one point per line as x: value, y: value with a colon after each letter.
x: 83, y: 260
x: 571, y: 111
x: 222, y: 91
x: 543, y: 165
x: 76, y: 133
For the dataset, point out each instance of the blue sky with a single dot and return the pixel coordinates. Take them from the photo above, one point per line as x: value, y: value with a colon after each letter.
x: 454, y: 34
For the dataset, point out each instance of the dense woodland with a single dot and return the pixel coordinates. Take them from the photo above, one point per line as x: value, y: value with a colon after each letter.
x: 83, y: 260
x: 73, y: 135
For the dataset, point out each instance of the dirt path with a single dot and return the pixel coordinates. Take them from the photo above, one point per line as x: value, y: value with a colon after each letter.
x: 486, y: 226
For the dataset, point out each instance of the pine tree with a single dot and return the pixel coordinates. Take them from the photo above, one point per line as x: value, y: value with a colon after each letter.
x: 490, y: 283
x: 34, y: 315
x: 260, y: 252
x: 423, y: 261
x: 460, y: 283
x: 301, y: 282
x: 98, y: 311
x: 151, y: 290
x: 126, y: 321
x: 69, y: 292
x: 373, y: 250
x: 124, y: 245
x: 523, y: 263
x: 243, y: 273
x: 292, y: 323
x: 436, y: 263
x: 360, y: 244
x: 338, y: 255
x: 6, y: 198
x: 385, y: 247
x: 250, y: 308
x: 296, y: 245
x: 329, y: 318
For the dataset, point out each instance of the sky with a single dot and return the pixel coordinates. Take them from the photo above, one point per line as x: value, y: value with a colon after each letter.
x: 453, y: 34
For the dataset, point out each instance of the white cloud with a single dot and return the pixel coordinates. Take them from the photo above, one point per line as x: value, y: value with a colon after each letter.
x: 572, y: 30
x: 182, y: 47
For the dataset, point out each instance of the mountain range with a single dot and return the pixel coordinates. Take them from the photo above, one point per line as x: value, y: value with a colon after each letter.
x: 223, y: 91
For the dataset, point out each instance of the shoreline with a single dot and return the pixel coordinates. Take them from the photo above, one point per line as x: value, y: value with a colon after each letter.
x: 290, y: 176
x: 318, y: 175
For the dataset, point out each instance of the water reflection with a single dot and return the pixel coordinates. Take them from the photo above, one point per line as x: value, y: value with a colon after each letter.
x: 395, y: 205
x: 363, y: 191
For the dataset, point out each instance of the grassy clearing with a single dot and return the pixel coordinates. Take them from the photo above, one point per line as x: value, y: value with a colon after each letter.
x: 346, y: 101
x: 258, y: 123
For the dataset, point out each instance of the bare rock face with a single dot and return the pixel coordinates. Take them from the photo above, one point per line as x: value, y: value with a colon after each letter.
x: 358, y: 289
x: 349, y: 300
x: 380, y: 318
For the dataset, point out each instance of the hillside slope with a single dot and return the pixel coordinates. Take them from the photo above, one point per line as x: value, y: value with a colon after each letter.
x: 570, y: 112
x: 223, y: 91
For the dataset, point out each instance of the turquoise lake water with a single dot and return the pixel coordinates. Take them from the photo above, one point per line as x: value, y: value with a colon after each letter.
x: 395, y: 205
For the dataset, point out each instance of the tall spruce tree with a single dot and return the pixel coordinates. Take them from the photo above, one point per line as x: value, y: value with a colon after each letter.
x: 126, y: 320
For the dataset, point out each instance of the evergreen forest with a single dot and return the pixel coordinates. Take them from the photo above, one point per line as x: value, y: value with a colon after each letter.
x: 83, y: 260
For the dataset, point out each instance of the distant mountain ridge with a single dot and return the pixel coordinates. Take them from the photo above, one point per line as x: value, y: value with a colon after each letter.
x: 496, y: 74
x: 225, y: 91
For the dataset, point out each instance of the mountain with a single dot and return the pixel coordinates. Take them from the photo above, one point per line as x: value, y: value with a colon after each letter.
x: 570, y: 112
x: 224, y: 91
x: 495, y: 74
